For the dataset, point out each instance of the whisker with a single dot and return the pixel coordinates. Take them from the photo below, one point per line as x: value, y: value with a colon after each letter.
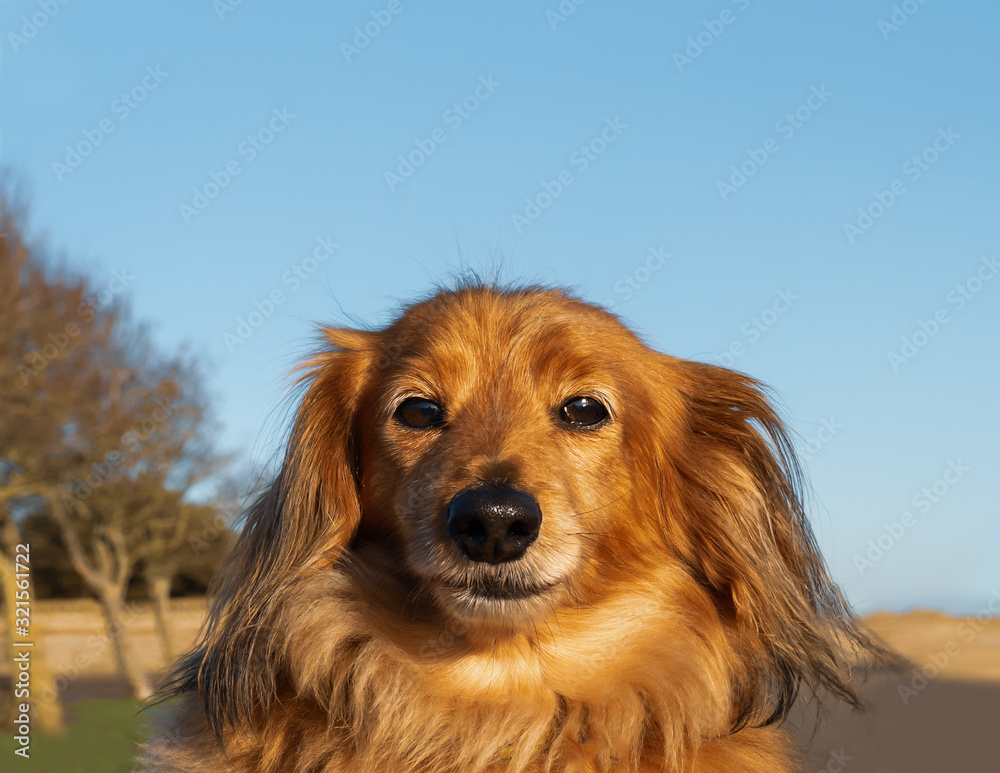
x: 601, y: 507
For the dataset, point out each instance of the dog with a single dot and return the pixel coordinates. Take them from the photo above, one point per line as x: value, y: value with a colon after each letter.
x: 508, y: 537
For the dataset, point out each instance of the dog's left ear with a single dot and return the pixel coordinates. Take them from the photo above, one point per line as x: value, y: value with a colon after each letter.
x: 732, y: 496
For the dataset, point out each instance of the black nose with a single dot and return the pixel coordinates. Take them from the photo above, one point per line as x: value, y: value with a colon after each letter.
x: 493, y: 523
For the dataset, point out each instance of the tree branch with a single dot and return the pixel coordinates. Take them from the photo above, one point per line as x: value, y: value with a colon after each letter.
x: 71, y: 538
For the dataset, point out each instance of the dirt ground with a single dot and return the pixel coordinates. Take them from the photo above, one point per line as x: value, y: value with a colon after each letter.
x: 939, y: 715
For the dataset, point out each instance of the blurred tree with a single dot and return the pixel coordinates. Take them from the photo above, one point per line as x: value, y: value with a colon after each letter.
x: 176, y: 545
x: 201, y: 552
x: 98, y: 432
x: 136, y: 444
x: 52, y: 575
x: 19, y: 425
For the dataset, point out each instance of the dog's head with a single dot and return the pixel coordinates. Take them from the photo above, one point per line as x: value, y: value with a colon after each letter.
x: 507, y: 455
x: 497, y: 453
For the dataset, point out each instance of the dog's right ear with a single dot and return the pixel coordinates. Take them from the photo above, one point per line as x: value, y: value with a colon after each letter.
x: 307, y: 517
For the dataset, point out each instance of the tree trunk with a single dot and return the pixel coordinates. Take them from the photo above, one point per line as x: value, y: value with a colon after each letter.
x: 112, y: 605
x: 159, y: 592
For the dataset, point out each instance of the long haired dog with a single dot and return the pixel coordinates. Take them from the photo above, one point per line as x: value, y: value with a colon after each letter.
x: 509, y: 537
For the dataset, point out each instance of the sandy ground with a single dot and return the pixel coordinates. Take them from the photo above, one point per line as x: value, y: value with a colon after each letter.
x: 939, y: 715
x: 72, y: 637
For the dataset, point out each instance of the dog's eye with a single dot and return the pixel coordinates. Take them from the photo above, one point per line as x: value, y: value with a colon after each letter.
x: 583, y: 412
x: 419, y: 413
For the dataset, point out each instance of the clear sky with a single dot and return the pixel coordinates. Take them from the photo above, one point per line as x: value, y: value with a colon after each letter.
x: 806, y: 191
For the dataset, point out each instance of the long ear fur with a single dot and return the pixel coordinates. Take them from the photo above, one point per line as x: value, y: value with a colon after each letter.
x: 307, y: 516
x: 738, y: 489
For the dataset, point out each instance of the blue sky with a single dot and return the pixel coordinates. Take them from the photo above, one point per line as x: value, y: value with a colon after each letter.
x: 793, y: 188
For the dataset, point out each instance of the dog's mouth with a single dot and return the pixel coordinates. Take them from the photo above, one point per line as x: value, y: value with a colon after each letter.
x: 498, y: 590
x: 505, y: 591
x: 503, y: 602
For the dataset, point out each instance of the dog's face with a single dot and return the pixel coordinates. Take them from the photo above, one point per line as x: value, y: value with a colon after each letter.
x: 495, y: 451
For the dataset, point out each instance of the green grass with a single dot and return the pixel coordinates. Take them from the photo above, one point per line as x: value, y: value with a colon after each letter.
x: 100, y: 737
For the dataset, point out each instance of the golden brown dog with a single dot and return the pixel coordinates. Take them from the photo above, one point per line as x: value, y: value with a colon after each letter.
x: 509, y: 537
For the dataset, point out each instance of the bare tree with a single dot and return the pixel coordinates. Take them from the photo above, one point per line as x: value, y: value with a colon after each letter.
x: 175, y: 543
x: 20, y: 424
x: 106, y: 568
x: 97, y: 429
x: 145, y: 432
